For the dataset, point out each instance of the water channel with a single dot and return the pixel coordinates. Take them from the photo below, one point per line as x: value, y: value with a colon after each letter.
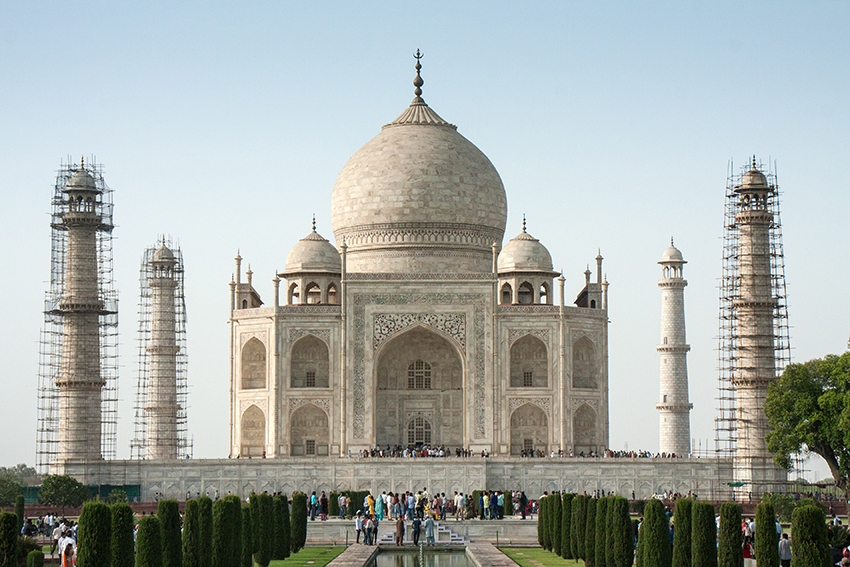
x: 428, y: 558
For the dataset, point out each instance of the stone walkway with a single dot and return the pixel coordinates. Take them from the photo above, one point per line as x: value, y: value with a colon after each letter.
x: 355, y: 556
x: 485, y: 554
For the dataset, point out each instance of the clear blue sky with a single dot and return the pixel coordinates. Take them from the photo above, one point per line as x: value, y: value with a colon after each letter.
x: 611, y: 123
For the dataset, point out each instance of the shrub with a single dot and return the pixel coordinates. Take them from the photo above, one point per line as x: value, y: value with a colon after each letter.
x: 205, y: 530
x: 265, y: 525
x: 35, y: 558
x: 225, y: 533
x: 601, y: 531
x: 682, y: 534
x: 333, y: 505
x: 590, y: 533
x: 116, y: 495
x: 541, y: 518
x: 168, y: 512
x: 546, y: 520
x: 622, y: 548
x: 123, y: 546
x: 810, y: 547
x: 783, y: 505
x: 730, y: 552
x: 280, y: 549
x: 247, y: 537
x: 192, y: 535
x: 556, y: 523
x: 149, y: 543
x: 19, y: 510
x: 94, y: 536
x: 767, y: 540
x: 8, y: 540
x: 566, y: 520
x: 254, y: 502
x: 837, y: 536
x: 655, y: 535
x: 235, y: 512
x: 703, y: 535
x: 637, y: 507
x: 298, y: 522
x: 577, y: 525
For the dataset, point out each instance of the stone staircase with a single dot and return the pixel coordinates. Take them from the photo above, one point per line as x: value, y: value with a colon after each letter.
x: 442, y: 534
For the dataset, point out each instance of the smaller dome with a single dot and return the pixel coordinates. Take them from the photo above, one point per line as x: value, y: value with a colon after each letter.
x: 753, y: 180
x: 524, y: 253
x: 313, y: 254
x: 163, y: 254
x: 81, y: 180
x: 672, y: 254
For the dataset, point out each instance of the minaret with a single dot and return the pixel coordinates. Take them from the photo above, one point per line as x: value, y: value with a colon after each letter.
x: 79, y: 381
x: 161, y: 406
x: 673, y: 407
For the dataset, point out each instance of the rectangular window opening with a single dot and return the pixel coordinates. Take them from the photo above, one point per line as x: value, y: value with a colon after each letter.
x: 310, y: 447
x: 527, y: 381
x: 311, y: 379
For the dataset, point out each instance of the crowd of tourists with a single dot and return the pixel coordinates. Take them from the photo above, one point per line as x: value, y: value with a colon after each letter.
x: 433, y: 451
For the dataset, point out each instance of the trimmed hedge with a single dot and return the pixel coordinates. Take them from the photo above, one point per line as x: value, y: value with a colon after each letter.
x: 622, y: 548
x: 556, y: 523
x: 123, y: 544
x: 682, y: 533
x: 192, y: 535
x: 280, y: 549
x: 810, y: 547
x: 168, y: 512
x: 577, y: 525
x: 730, y: 551
x: 566, y: 521
x: 656, y: 535
x: 93, y: 533
x: 265, y: 524
x: 590, y: 533
x: 149, y: 543
x: 35, y: 558
x: 298, y: 522
x: 767, y: 540
x: 8, y: 540
x: 205, y: 530
x: 601, y: 531
x: 703, y: 535
x: 333, y: 505
x: 247, y: 559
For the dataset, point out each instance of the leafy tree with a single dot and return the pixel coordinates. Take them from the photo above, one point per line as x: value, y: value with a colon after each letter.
x: 63, y: 491
x: 122, y: 535
x: 601, y: 531
x: 192, y: 535
x: 590, y: 533
x: 149, y: 543
x: 298, y: 522
x: 622, y: 548
x: 116, y: 495
x: 8, y: 540
x: 783, y: 505
x: 810, y: 547
x: 94, y: 534
x: 808, y: 409
x: 578, y: 525
x: 280, y: 549
x: 10, y: 489
x: 730, y: 552
x: 205, y: 530
x: 168, y: 512
x: 19, y: 474
x: 682, y: 534
x: 266, y: 530
x: 566, y: 520
x: 703, y: 535
x: 767, y: 540
x: 247, y: 537
x: 655, y: 534
x: 19, y: 510
x: 556, y: 523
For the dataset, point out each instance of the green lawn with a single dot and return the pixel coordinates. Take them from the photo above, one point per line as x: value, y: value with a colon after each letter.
x: 524, y: 556
x: 312, y: 556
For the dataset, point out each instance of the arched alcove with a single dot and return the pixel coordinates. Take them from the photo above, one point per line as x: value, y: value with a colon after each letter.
x: 313, y: 293
x: 309, y: 365
x: 253, y: 365
x: 309, y: 432
x: 585, y: 372
x: 293, y: 296
x: 525, y: 293
x: 253, y: 428
x: 584, y: 429
x: 529, y: 429
x: 507, y: 296
x: 333, y: 298
x: 529, y: 363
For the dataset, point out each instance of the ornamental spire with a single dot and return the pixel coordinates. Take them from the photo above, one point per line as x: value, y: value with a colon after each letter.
x: 418, y: 82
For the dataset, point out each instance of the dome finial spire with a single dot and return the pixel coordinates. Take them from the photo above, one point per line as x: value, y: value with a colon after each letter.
x: 418, y: 82
x: 314, y: 222
x: 754, y: 161
x: 82, y: 164
x: 523, y: 222
x: 671, y: 241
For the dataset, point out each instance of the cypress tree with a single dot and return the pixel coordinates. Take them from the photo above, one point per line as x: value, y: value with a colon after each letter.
x: 566, y: 521
x: 767, y: 540
x: 19, y: 510
x: 266, y: 530
x: 590, y: 533
x: 541, y: 515
x: 577, y: 526
x: 277, y: 538
x: 601, y: 531
x: 703, y: 535
x: 546, y: 519
x: 234, y: 510
x: 254, y: 502
x: 168, y: 512
x: 556, y: 523
x: 730, y: 551
x: 123, y: 544
x: 149, y: 543
x: 205, y: 530
x: 8, y: 540
x: 298, y: 522
x: 682, y: 534
x: 247, y: 537
x: 94, y: 549
x: 641, y: 542
x: 656, y: 533
x: 284, y: 538
x: 192, y: 535
x: 221, y: 535
x: 810, y: 547
x: 333, y: 505
x: 622, y: 547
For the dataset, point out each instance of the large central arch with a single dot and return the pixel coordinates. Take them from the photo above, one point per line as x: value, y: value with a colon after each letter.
x: 419, y: 378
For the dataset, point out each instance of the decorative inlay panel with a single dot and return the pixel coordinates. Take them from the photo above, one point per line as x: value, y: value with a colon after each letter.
x: 261, y: 403
x: 593, y: 336
x: 515, y: 334
x: 261, y: 336
x: 324, y: 334
x: 543, y: 403
x: 295, y: 403
x: 444, y: 276
x: 533, y: 308
x: 388, y: 324
x: 592, y: 402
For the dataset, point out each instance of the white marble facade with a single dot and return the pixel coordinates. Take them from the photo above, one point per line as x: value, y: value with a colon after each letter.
x: 419, y: 326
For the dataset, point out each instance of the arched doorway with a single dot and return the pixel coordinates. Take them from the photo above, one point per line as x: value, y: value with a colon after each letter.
x: 253, y: 365
x: 309, y: 434
x: 309, y: 363
x: 529, y: 363
x: 584, y: 364
x: 584, y: 429
x: 253, y: 427
x: 419, y: 375
x: 529, y: 430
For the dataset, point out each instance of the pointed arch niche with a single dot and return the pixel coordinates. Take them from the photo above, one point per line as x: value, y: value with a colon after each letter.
x: 253, y: 365
x: 253, y: 433
x: 529, y: 429
x: 585, y: 372
x: 529, y: 363
x: 309, y: 434
x: 584, y: 429
x: 309, y: 363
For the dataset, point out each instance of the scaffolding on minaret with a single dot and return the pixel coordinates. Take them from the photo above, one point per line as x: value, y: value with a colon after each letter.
x: 152, y: 321
x: 729, y: 351
x: 51, y: 335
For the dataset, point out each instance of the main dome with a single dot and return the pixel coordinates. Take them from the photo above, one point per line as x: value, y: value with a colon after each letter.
x: 419, y: 197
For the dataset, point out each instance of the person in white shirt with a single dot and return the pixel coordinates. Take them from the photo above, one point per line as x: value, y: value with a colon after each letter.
x: 358, y: 526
